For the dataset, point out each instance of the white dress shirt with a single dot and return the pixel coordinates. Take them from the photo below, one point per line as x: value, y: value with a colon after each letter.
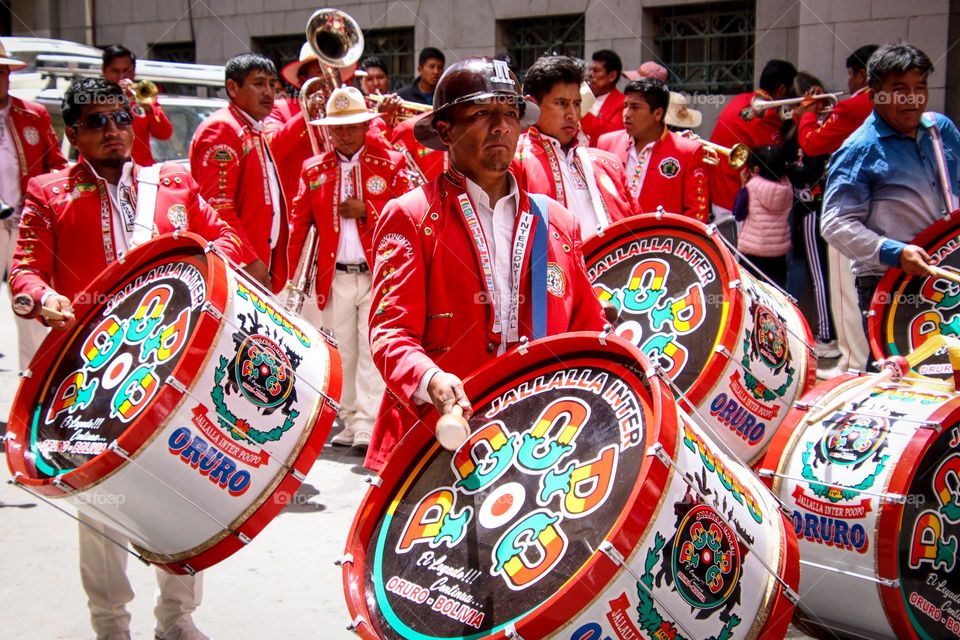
x: 9, y: 162
x: 349, y: 250
x: 272, y: 180
x: 575, y: 187
x: 598, y: 103
x: 122, y: 205
x: 637, y: 165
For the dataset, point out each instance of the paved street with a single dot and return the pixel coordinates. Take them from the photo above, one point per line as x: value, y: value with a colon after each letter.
x: 284, y: 585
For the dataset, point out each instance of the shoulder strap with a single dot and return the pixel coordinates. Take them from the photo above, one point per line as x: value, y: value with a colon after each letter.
x: 539, y: 206
x: 929, y: 120
x: 147, y: 180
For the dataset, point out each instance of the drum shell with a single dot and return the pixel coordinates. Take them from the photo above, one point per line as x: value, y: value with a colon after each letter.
x: 866, y: 530
x: 742, y: 393
x: 583, y: 603
x: 166, y: 502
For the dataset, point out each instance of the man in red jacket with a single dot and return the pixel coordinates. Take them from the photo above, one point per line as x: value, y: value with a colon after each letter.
x: 606, y: 114
x: 342, y: 193
x: 663, y: 168
x: 28, y: 148
x: 75, y: 224
x: 739, y: 123
x: 119, y: 65
x: 453, y: 281
x: 549, y: 160
x: 232, y: 162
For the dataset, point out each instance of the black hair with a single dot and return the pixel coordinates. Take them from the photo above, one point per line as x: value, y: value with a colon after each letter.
x: 803, y: 82
x: 611, y: 61
x: 858, y: 59
x: 115, y: 51
x: 777, y: 73
x: 89, y: 91
x: 654, y: 91
x: 769, y: 162
x: 896, y: 58
x: 430, y: 53
x: 550, y: 70
x: 240, y: 66
x: 373, y: 61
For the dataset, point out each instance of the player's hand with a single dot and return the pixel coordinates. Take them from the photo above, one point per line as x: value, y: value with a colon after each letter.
x: 58, y: 312
x: 914, y: 260
x: 446, y: 390
x: 258, y: 271
x: 353, y: 208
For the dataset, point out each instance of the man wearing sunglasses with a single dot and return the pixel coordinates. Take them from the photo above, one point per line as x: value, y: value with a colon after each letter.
x: 76, y: 223
x: 28, y: 148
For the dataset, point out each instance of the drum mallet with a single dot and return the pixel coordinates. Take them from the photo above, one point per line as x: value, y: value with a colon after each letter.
x: 940, y: 272
x: 452, y: 429
x: 51, y: 314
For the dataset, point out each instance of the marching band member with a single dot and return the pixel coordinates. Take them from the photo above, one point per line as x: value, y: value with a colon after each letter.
x: 28, y: 148
x: 376, y: 80
x: 663, y: 168
x: 460, y: 272
x: 119, y: 65
x: 65, y: 242
x: 739, y: 123
x: 549, y: 160
x: 342, y: 193
x: 429, y: 68
x: 606, y: 114
x: 231, y: 160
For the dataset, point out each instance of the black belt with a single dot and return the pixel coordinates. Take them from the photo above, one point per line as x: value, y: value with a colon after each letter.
x: 353, y: 268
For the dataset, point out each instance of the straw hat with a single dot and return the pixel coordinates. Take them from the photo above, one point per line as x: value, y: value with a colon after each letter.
x: 648, y: 70
x: 680, y: 115
x: 13, y: 63
x: 346, y: 106
x: 307, y: 54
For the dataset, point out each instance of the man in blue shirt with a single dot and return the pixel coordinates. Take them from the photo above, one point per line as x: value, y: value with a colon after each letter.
x: 883, y: 185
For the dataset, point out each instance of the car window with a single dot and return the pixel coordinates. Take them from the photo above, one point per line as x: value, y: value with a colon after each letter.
x: 185, y: 119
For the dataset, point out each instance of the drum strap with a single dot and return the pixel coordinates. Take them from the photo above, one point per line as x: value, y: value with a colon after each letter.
x: 929, y: 120
x: 538, y: 268
x: 147, y: 180
x: 599, y: 206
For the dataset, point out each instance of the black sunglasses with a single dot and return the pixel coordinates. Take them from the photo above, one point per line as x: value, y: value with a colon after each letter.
x: 98, y: 121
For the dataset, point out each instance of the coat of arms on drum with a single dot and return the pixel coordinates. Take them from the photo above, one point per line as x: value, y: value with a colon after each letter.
x: 767, y: 343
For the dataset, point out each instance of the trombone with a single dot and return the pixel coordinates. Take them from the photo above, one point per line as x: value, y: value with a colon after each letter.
x: 736, y: 155
x: 785, y: 106
x: 407, y: 109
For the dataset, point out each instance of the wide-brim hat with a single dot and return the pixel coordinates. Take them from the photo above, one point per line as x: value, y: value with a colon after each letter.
x: 587, y: 99
x: 307, y: 54
x: 680, y: 115
x: 648, y: 69
x: 6, y: 61
x: 472, y: 80
x: 345, y: 106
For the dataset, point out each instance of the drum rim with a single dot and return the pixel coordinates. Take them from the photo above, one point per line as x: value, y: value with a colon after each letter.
x: 930, y: 239
x: 420, y: 444
x: 134, y: 438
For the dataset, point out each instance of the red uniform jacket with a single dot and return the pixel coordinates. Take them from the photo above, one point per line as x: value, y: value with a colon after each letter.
x: 738, y: 123
x: 820, y: 139
x: 676, y: 176
x: 382, y: 177
x: 229, y: 160
x: 609, y: 119
x: 428, y: 292
x: 65, y: 243
x: 533, y: 167
x: 38, y: 150
x: 430, y: 162
x: 146, y: 127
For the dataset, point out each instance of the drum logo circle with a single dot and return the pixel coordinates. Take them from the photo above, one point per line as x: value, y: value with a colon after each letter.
x: 769, y: 338
x: 263, y: 371
x: 705, y: 558
x: 853, y: 439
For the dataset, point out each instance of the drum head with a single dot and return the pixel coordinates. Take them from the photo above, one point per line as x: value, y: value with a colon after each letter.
x: 137, y: 325
x: 506, y: 531
x: 668, y: 278
x: 909, y: 310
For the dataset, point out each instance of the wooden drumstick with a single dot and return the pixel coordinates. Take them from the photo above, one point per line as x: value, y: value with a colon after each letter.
x: 51, y: 314
x: 452, y: 429
x: 944, y: 273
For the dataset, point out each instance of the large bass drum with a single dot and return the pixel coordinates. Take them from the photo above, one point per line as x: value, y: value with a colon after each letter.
x: 584, y: 504
x: 870, y: 471
x: 737, y: 348
x: 184, y: 409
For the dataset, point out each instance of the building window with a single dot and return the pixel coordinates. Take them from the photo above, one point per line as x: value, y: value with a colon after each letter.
x: 708, y: 48
x: 281, y: 50
x: 173, y: 51
x: 526, y: 39
x: 396, y: 48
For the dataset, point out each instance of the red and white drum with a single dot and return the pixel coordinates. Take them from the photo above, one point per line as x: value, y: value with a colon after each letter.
x: 583, y: 505
x: 906, y: 311
x: 184, y: 409
x: 736, y: 347
x: 871, y: 472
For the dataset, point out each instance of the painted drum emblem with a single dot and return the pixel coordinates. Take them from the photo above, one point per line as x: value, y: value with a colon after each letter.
x: 263, y: 371
x: 376, y: 185
x: 31, y: 135
x: 769, y: 337
x: 853, y: 439
x: 669, y: 167
x: 556, y: 282
x: 706, y: 559
x: 177, y: 215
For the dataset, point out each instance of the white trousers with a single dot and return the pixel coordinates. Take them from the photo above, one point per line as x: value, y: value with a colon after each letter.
x: 30, y: 333
x: 103, y: 573
x: 846, y: 312
x: 347, y: 315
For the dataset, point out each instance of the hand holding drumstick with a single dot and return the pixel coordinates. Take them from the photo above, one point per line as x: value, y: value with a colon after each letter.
x: 446, y: 393
x: 58, y: 312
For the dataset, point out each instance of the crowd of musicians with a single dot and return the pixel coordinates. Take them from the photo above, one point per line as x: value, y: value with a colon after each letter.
x: 436, y: 208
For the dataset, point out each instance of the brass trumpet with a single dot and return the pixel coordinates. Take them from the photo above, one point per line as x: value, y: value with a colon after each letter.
x: 407, y: 109
x: 140, y: 94
x: 736, y: 155
x: 758, y: 105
